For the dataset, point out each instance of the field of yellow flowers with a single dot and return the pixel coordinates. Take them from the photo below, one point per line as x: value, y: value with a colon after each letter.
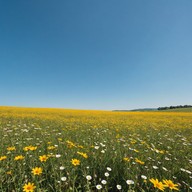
x: 54, y: 150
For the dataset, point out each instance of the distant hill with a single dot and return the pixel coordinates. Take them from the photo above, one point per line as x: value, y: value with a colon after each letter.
x: 179, y: 107
x: 142, y: 109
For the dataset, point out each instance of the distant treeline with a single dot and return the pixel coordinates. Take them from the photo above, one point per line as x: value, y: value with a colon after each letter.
x: 174, y: 107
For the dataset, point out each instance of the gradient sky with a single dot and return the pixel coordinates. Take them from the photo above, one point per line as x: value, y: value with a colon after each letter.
x: 95, y: 54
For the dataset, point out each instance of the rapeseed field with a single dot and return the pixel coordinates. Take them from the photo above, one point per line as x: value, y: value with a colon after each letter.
x: 56, y: 150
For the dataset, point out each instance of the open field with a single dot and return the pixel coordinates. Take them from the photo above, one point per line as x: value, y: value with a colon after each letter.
x: 54, y: 150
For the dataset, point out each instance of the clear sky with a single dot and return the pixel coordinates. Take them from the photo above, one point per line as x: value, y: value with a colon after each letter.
x: 95, y: 54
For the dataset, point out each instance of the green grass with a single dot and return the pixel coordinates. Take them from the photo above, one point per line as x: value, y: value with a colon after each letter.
x: 119, y: 146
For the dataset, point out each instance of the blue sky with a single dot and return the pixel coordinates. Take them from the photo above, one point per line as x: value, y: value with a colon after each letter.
x: 95, y: 54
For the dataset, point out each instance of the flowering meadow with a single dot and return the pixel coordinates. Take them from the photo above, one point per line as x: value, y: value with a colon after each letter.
x: 54, y: 150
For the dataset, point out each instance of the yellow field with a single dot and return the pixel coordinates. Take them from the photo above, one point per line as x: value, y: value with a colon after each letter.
x: 81, y: 150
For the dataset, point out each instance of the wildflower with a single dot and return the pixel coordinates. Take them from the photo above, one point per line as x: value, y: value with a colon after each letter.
x: 155, y: 167
x: 157, y: 184
x: 19, y: 157
x: 130, y: 182
x: 187, y: 171
x: 33, y: 148
x: 106, y: 174
x: 51, y: 155
x: 143, y: 177
x: 61, y: 168
x: 29, y: 148
x: 3, y: 158
x: 96, y: 147
x: 75, y: 162
x: 161, y: 151
x: 29, y: 187
x: 136, y: 150
x: 182, y: 169
x: 63, y: 178
x: 43, y: 158
x: 99, y: 187
x: 70, y: 144
x: 139, y: 161
x: 165, y: 169
x: 170, y: 184
x: 103, y: 145
x: 109, y: 169
x: 104, y: 182
x: 37, y: 171
x: 119, y: 187
x: 88, y: 177
x: 9, y: 172
x: 11, y: 148
x: 51, y: 147
x: 83, y: 154
x: 57, y: 155
x: 126, y: 159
